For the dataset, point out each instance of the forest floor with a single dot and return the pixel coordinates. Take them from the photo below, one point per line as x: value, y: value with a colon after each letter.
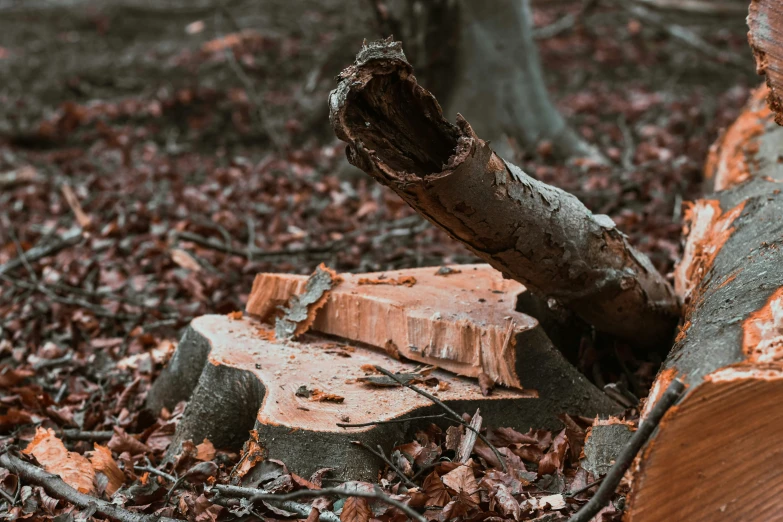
x: 191, y: 145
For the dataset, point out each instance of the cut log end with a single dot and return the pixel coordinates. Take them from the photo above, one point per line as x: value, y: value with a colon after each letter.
x: 730, y: 348
x: 529, y: 231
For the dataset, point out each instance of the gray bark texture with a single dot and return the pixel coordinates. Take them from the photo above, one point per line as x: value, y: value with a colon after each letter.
x: 729, y: 351
x: 539, y: 235
x: 480, y: 58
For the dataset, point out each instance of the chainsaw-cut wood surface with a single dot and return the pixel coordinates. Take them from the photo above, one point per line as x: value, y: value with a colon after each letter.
x: 729, y: 351
x: 294, y: 393
x: 247, y: 381
x: 463, y: 321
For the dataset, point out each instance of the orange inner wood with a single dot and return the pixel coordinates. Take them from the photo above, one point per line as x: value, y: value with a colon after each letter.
x: 463, y: 322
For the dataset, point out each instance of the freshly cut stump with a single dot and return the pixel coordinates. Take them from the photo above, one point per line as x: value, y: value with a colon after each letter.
x: 236, y: 377
x: 716, y: 456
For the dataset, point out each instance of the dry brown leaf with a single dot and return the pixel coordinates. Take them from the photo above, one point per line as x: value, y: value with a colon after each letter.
x: 184, y: 259
x: 121, y: 442
x: 322, y: 396
x: 486, y: 383
x: 408, y: 281
x: 461, y: 480
x: 205, y: 451
x: 236, y: 315
x: 555, y: 457
x: 435, y: 490
x: 73, y: 468
x: 103, y: 462
x: 356, y: 509
x: 253, y: 452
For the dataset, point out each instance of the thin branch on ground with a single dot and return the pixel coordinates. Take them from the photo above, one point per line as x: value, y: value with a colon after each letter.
x: 242, y: 252
x: 381, y: 455
x: 303, y: 510
x: 626, y: 457
x: 684, y: 35
x: 260, y: 494
x: 392, y: 421
x: 54, y: 486
x: 585, y: 488
x: 80, y: 303
x: 71, y: 238
x: 155, y: 471
x: 453, y: 414
x: 564, y: 23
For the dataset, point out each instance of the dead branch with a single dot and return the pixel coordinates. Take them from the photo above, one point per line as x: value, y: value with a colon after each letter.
x: 71, y: 238
x: 684, y: 35
x: 55, y: 486
x: 453, y: 414
x: 392, y: 421
x: 539, y: 235
x: 260, y: 494
x: 381, y: 455
x: 624, y: 460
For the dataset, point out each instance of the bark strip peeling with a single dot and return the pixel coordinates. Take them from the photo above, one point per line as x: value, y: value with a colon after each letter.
x: 536, y: 234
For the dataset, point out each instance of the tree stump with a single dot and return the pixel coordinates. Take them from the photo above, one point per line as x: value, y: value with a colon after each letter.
x: 714, y: 456
x: 236, y: 377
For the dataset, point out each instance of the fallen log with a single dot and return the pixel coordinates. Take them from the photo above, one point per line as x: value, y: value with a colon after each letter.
x: 765, y: 35
x: 713, y: 457
x: 536, y: 234
x: 300, y: 395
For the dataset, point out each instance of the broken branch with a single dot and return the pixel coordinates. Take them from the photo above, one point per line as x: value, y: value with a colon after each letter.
x: 539, y: 235
x: 260, y: 494
x: 55, y: 486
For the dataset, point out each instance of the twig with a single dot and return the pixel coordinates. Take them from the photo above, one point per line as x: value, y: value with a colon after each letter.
x: 564, y: 23
x: 154, y: 471
x: 388, y: 462
x: 684, y: 34
x: 96, y: 436
x: 392, y: 421
x: 624, y: 460
x: 585, y: 488
x: 19, y: 250
x: 701, y: 7
x: 11, y: 501
x: 228, y: 249
x: 71, y: 238
x: 55, y: 486
x: 469, y: 440
x: 95, y: 309
x: 260, y: 494
x: 302, y: 510
x: 454, y: 415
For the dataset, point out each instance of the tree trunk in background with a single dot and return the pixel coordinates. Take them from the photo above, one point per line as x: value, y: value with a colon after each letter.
x: 539, y: 235
x: 729, y: 351
x: 480, y: 60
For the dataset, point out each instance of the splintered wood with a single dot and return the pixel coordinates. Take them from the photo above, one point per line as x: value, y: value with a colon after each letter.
x: 464, y: 322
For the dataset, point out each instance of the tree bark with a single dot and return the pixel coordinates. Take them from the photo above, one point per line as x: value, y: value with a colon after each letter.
x: 712, y: 458
x: 480, y: 58
x: 765, y: 21
x: 539, y: 235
